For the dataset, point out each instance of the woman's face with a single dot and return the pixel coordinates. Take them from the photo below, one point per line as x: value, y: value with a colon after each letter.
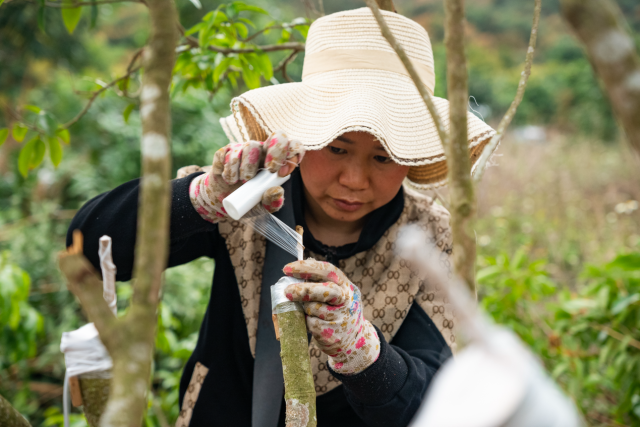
x: 351, y: 177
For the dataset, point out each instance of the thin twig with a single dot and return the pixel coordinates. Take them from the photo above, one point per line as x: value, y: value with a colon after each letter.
x: 272, y: 27
x: 426, y: 96
x: 617, y: 335
x: 84, y: 3
x: 283, y: 66
x: 524, y: 77
x: 96, y: 94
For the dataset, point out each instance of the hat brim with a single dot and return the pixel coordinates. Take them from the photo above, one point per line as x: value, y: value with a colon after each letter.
x: 385, y: 104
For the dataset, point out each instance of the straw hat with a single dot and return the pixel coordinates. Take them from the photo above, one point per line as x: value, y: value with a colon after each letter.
x: 352, y: 80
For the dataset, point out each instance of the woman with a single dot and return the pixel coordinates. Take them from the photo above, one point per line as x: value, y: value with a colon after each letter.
x: 358, y: 128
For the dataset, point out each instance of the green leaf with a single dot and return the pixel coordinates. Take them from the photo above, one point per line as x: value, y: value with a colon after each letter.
x: 127, y: 112
x: 47, y: 123
x: 55, y: 151
x: 70, y: 15
x: 33, y: 108
x: 24, y: 159
x: 196, y: 3
x: 41, y: 19
x: 4, y: 133
x: 247, y: 22
x: 19, y: 132
x: 1, y: 1
x: 251, y: 77
x: 240, y: 6
x: 623, y: 303
x: 266, y: 67
x: 629, y: 262
x: 221, y: 68
x: 488, y: 273
x: 39, y: 150
x: 63, y: 134
x: 576, y: 305
x: 194, y: 29
x: 241, y: 29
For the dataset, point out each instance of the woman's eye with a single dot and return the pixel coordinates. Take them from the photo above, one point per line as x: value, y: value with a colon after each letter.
x: 382, y: 159
x: 337, y: 150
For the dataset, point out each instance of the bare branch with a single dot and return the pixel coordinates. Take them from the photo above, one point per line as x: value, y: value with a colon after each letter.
x: 272, y: 27
x: 461, y: 194
x: 58, y: 5
x: 426, y: 96
x: 600, y: 25
x: 96, y: 94
x: 283, y: 66
x: 506, y: 120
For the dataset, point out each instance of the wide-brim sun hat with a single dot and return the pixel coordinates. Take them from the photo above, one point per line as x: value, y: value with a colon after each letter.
x: 352, y: 80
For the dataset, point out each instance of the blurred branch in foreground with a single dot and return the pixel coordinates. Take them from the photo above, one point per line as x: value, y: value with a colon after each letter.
x: 599, y: 24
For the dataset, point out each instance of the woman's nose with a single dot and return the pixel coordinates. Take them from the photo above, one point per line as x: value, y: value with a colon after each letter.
x: 355, y: 177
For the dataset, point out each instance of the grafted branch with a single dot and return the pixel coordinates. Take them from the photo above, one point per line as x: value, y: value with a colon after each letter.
x: 600, y: 25
x: 508, y: 116
x: 9, y: 417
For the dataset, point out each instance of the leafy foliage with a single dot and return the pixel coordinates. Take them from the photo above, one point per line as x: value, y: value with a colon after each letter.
x: 589, y: 340
x: 20, y: 323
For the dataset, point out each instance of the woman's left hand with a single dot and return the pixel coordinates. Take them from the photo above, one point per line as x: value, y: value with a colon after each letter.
x: 334, y: 315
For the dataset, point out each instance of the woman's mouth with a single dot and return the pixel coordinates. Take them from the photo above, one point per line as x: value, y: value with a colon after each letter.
x: 347, y: 205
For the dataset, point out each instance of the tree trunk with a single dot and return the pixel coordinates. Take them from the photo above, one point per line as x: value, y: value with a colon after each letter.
x: 462, y: 199
x: 130, y: 339
x: 599, y: 24
x: 9, y: 417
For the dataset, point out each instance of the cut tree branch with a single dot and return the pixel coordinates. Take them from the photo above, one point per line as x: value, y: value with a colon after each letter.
x: 600, y: 25
x: 10, y: 417
x: 422, y: 89
x: 508, y: 116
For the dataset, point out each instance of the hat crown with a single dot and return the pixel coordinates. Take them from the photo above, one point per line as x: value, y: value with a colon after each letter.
x: 358, y: 30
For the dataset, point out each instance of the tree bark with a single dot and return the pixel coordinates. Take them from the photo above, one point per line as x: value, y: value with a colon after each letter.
x: 299, y: 387
x: 462, y: 198
x: 599, y: 24
x: 130, y: 339
x: 9, y: 417
x: 386, y: 5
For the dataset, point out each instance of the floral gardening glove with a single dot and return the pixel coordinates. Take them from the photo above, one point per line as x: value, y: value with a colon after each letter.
x: 334, y: 315
x: 235, y: 164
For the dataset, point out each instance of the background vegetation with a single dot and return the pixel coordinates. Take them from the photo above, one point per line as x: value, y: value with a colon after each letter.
x: 559, y: 226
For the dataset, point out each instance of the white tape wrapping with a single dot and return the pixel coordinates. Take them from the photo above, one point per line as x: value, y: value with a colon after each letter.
x: 84, y: 352
x: 279, y: 301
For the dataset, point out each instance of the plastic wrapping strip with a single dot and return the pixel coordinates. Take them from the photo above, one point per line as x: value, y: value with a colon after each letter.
x: 279, y: 301
x: 274, y: 230
x: 108, y: 273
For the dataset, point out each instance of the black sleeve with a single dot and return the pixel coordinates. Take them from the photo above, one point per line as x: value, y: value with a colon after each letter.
x: 115, y: 214
x: 389, y: 392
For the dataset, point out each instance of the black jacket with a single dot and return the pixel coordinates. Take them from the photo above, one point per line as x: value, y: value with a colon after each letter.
x: 387, y: 394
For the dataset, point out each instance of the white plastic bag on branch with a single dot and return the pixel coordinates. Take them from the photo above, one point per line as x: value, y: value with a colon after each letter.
x: 495, y: 380
x: 83, y: 351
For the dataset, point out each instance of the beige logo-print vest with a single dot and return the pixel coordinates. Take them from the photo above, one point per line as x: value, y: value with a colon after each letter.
x: 388, y: 284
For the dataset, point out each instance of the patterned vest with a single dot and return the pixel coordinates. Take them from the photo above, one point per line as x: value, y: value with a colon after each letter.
x: 388, y: 284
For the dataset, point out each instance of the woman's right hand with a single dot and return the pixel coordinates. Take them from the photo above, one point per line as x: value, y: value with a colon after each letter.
x: 235, y: 164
